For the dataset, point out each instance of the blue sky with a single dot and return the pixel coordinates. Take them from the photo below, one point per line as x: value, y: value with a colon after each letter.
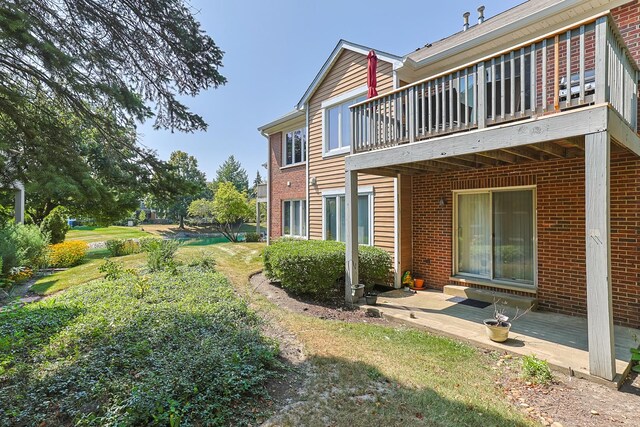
x: 274, y: 49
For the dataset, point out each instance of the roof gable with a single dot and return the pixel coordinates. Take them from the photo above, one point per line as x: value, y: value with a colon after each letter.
x: 343, y: 45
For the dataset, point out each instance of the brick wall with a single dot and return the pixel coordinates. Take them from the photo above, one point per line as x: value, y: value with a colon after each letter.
x: 627, y: 18
x: 284, y: 184
x: 560, y: 229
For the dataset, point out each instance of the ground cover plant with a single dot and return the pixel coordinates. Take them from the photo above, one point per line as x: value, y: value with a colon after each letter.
x: 185, y: 351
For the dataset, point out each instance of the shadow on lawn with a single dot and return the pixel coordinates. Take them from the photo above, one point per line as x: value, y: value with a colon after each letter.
x: 24, y: 331
x: 355, y: 394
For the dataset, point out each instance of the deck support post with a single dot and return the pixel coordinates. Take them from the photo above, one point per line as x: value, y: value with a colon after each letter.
x: 19, y: 203
x: 602, y: 360
x: 481, y: 100
x: 351, y: 228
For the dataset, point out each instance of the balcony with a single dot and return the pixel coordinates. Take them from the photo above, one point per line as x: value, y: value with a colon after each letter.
x: 583, y: 65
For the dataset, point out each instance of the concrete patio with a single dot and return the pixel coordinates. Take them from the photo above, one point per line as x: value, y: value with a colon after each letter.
x: 559, y: 339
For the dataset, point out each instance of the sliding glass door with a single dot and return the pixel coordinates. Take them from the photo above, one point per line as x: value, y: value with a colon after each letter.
x: 474, y: 234
x: 496, y: 235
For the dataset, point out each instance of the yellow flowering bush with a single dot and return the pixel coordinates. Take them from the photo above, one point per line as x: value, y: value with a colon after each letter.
x: 20, y: 274
x: 67, y: 254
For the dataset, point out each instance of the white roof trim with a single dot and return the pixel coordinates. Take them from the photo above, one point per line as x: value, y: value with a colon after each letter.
x: 396, y: 61
x: 287, y: 117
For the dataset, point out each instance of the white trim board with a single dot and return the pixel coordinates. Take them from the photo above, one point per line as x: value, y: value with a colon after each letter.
x: 342, y: 191
x: 345, y: 96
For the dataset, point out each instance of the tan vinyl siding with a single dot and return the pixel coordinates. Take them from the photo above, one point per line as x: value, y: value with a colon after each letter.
x: 349, y: 72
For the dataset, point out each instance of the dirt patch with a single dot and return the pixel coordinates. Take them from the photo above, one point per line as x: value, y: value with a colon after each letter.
x: 295, y: 304
x: 571, y: 401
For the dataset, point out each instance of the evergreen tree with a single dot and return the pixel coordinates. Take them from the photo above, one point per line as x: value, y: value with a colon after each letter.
x: 231, y: 171
x: 76, y: 76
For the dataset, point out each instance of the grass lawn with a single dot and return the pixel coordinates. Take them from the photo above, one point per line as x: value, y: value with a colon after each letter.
x: 101, y: 234
x: 82, y: 273
x: 359, y: 374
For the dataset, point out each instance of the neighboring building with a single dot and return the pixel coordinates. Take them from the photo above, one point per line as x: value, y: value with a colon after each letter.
x: 485, y: 161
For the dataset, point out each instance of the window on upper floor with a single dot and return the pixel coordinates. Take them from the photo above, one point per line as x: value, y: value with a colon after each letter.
x: 294, y: 147
x: 337, y: 126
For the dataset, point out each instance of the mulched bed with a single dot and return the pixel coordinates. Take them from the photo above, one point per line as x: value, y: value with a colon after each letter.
x: 334, y: 310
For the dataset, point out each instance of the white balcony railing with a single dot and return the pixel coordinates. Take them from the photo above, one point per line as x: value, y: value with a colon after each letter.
x: 583, y: 65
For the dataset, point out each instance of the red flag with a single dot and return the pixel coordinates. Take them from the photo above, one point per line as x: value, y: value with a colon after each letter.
x: 371, y: 74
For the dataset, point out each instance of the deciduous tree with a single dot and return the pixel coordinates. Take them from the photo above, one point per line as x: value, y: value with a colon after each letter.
x: 228, y: 210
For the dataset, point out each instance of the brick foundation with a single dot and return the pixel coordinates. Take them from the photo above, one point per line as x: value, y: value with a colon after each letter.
x: 560, y: 200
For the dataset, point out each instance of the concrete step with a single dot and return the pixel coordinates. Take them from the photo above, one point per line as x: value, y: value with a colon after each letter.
x: 486, y: 295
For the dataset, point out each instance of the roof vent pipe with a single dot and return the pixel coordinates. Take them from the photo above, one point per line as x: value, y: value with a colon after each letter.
x: 465, y: 26
x: 480, y: 14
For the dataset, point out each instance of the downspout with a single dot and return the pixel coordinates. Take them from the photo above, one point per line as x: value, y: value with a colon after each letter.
x: 268, y: 186
x: 306, y: 150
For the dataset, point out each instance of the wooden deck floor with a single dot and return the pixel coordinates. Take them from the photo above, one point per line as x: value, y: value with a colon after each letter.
x: 560, y: 340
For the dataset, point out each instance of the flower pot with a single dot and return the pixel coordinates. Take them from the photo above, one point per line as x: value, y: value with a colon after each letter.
x: 418, y: 283
x: 497, y: 331
x: 357, y: 292
x: 372, y: 299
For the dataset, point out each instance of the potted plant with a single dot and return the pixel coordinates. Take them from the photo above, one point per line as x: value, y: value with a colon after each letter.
x: 372, y: 298
x: 498, y: 327
x: 357, y: 292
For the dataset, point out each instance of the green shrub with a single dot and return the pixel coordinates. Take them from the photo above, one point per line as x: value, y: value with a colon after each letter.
x: 67, y: 254
x: 122, y: 247
x: 22, y: 246
x: 309, y: 267
x: 314, y: 267
x: 184, y: 351
x: 374, y: 266
x: 161, y: 254
x: 252, y: 237
x: 146, y: 242
x: 55, y: 225
x: 536, y: 370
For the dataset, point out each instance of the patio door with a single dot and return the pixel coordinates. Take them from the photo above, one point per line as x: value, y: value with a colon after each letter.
x: 495, y: 235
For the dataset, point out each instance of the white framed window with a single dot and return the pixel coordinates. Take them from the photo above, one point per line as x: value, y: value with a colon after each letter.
x: 336, y: 118
x: 495, y: 234
x: 294, y: 218
x: 294, y: 147
x: 334, y: 217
